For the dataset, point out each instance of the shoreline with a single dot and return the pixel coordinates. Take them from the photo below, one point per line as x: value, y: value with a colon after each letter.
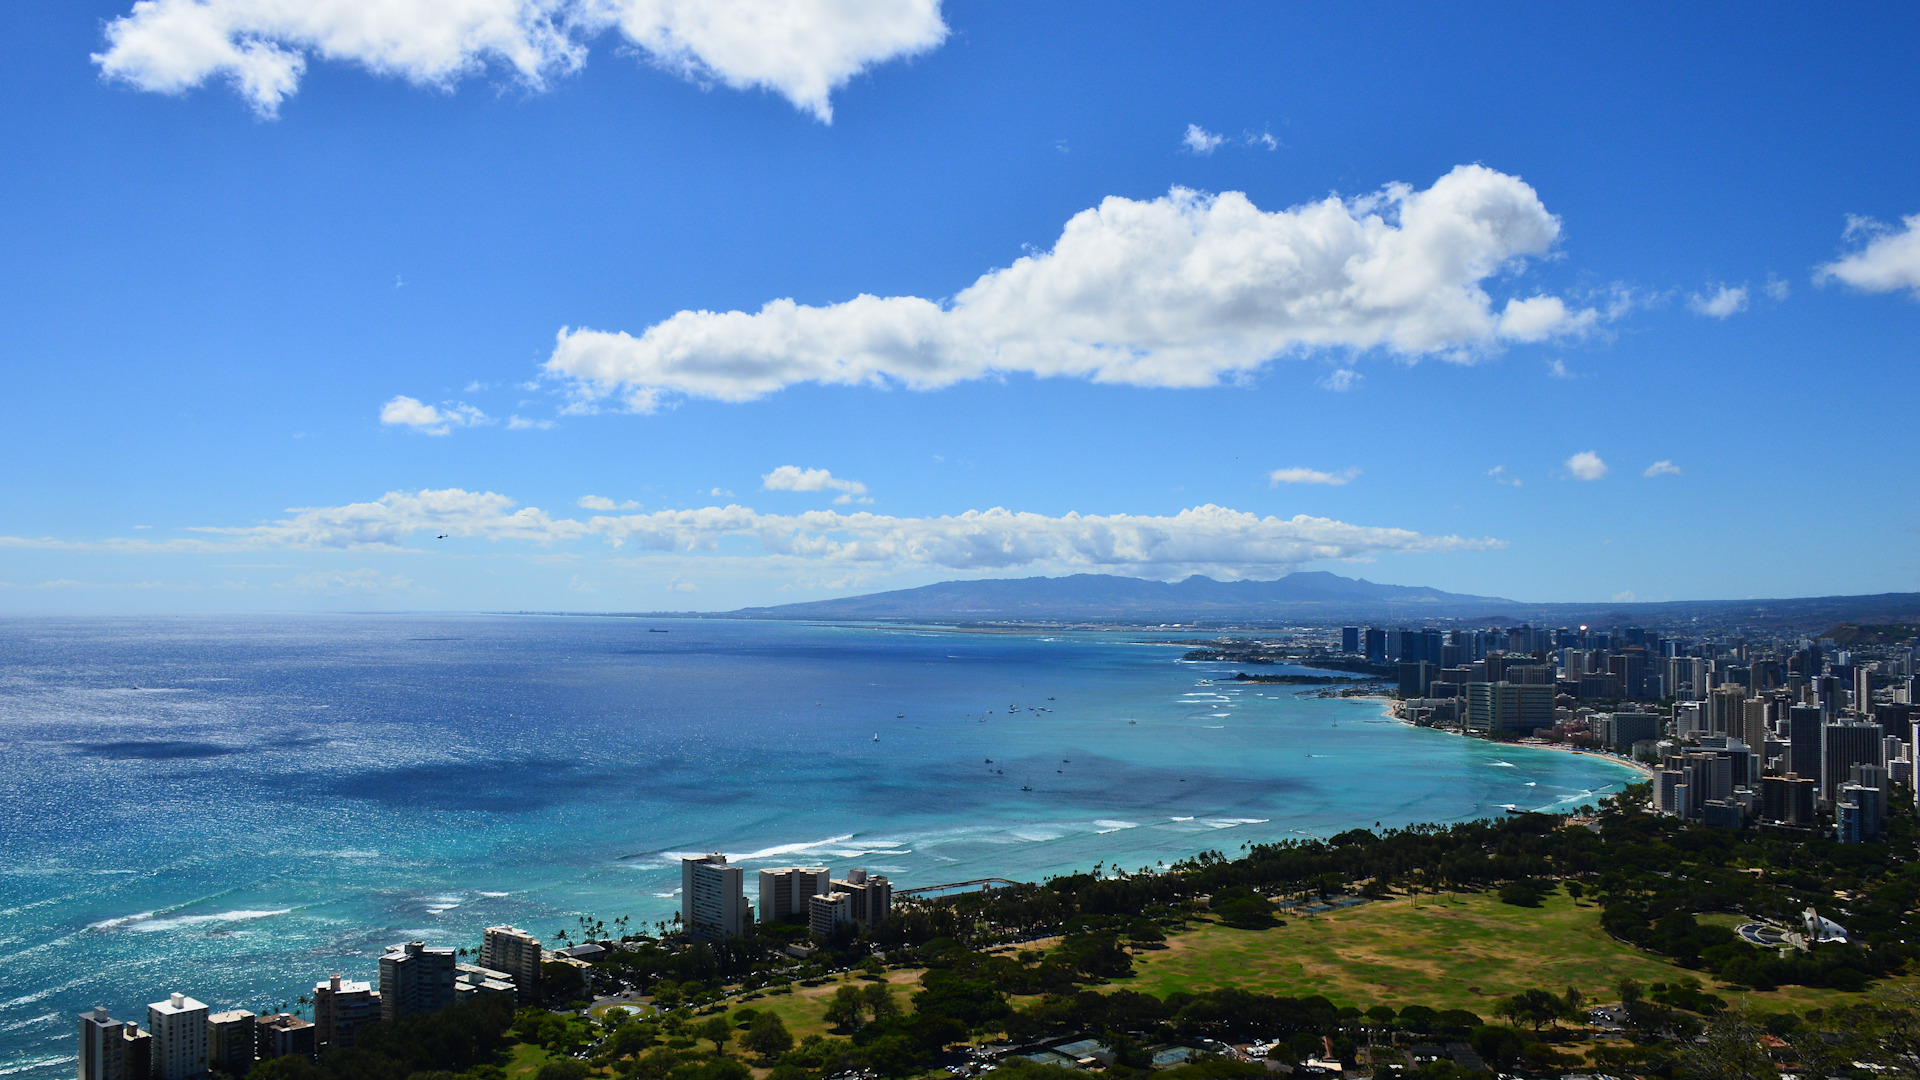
x: 1640, y: 767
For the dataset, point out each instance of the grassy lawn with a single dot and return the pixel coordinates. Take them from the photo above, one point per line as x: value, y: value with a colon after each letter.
x: 1452, y: 952
x: 804, y: 1011
x: 525, y: 1060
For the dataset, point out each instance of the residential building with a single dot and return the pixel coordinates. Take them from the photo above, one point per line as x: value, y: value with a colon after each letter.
x: 415, y: 979
x: 1788, y: 798
x: 784, y: 892
x: 516, y: 952
x: 830, y: 914
x: 341, y: 1007
x: 713, y: 899
x: 103, y: 1047
x: 1626, y: 728
x: 1502, y: 709
x: 232, y: 1039
x: 1349, y: 639
x: 872, y: 897
x: 473, y: 981
x: 1842, y: 746
x: 1803, y: 740
x: 179, y: 1029
x: 282, y: 1035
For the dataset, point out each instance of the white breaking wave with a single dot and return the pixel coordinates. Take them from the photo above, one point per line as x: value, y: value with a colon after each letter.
x: 1503, y: 764
x: 1115, y: 826
x: 146, y: 923
x: 1228, y: 823
x: 18, y: 1024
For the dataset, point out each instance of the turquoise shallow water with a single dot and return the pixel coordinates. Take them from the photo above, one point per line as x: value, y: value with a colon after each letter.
x: 235, y: 807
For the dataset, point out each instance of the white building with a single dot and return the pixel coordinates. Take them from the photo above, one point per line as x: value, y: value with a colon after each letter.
x: 713, y: 900
x: 516, y: 952
x: 179, y: 1028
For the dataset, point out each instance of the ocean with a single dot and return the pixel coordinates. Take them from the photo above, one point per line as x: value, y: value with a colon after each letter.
x: 236, y: 807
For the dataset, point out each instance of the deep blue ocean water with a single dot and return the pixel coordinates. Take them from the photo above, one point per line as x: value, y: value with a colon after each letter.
x: 235, y: 807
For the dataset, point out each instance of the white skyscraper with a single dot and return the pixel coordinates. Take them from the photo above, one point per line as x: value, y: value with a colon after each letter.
x: 179, y: 1027
x: 713, y: 902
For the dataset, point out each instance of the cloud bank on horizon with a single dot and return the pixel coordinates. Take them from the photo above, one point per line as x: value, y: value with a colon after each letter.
x: 800, y: 49
x: 1186, y: 290
x: 1206, y: 539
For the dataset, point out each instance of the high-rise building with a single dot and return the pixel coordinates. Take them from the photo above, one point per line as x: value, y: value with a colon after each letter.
x: 1787, y: 798
x: 1376, y: 643
x: 872, y: 897
x: 1803, y: 740
x: 1500, y: 709
x: 103, y: 1047
x: 1626, y: 728
x: 1349, y: 639
x: 415, y: 979
x: 341, y: 1007
x: 784, y: 892
x: 712, y: 898
x: 1863, y: 690
x: 232, y: 1039
x: 179, y: 1028
x: 516, y: 952
x: 1842, y: 746
x: 283, y: 1035
x: 829, y: 914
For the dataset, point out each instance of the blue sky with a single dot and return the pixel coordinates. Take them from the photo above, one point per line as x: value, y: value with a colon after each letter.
x: 1397, y: 292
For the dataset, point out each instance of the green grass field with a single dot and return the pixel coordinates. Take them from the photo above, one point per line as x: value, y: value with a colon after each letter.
x: 1450, y: 952
x: 804, y: 1011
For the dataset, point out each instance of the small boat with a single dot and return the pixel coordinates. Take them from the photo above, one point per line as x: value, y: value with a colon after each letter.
x: 899, y: 716
x: 1024, y: 787
x: 651, y: 630
x: 989, y: 761
x: 876, y: 736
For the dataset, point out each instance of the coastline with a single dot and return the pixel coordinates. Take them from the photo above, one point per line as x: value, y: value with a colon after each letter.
x: 1641, y: 767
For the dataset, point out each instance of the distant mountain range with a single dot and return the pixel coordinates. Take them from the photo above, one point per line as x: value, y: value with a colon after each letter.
x: 1312, y: 597
x: 1106, y: 598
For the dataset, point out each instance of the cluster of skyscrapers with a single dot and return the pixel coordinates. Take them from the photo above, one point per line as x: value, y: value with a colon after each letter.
x: 184, y: 1038
x: 713, y: 902
x: 1785, y: 734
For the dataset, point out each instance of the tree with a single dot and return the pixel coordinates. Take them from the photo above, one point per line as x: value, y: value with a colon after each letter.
x: 1734, y: 1049
x: 768, y: 1035
x: 1536, y: 1007
x: 717, y: 1031
x: 844, y: 1011
x: 568, y: 1069
x: 878, y: 999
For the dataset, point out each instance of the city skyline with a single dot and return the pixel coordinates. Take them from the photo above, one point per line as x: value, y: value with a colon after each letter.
x: 603, y: 307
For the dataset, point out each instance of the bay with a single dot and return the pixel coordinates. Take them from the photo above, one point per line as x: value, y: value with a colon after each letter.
x: 235, y: 807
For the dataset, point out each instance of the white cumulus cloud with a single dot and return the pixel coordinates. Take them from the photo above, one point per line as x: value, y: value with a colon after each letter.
x: 404, y: 411
x: 1201, y: 141
x: 1723, y: 302
x: 1499, y: 474
x: 800, y: 49
x: 795, y: 478
x: 1888, y: 262
x: 1179, y: 291
x: 1662, y: 468
x: 1309, y: 476
x: 1586, y: 465
x: 601, y: 502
